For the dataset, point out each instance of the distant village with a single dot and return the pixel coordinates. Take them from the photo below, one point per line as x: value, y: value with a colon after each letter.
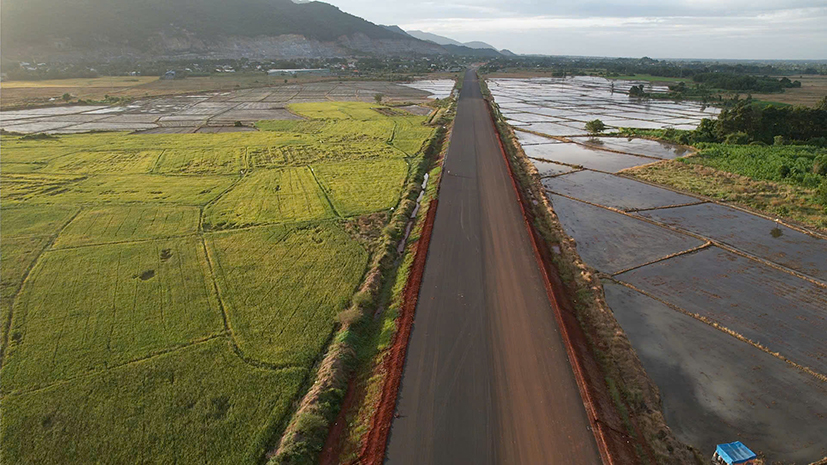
x: 342, y: 67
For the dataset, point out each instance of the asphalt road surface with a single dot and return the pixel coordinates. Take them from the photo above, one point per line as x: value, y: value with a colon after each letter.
x: 486, y: 379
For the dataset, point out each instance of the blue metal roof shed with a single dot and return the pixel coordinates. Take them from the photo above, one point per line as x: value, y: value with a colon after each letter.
x: 735, y: 452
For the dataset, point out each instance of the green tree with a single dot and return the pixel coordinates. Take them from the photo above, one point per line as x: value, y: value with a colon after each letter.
x: 821, y: 193
x: 66, y: 97
x: 595, y: 126
x: 378, y: 98
x: 737, y: 138
x: 637, y: 91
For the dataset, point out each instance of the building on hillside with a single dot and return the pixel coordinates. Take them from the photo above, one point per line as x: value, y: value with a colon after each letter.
x: 734, y: 453
x: 295, y: 72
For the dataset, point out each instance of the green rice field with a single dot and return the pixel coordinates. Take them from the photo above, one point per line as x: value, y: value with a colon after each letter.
x: 164, y: 297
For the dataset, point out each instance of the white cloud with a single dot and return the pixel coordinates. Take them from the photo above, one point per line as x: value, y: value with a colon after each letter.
x: 747, y: 29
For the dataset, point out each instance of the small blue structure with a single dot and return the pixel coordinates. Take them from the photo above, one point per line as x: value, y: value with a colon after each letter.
x: 734, y: 453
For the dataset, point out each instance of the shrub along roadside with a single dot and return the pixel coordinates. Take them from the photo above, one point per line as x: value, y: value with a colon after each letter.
x: 635, y: 397
x: 305, y: 436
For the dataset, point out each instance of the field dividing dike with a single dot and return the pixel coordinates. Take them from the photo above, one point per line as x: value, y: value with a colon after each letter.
x: 703, y: 246
x: 597, y: 426
x: 150, y: 356
x: 708, y: 321
x: 26, y: 274
x: 324, y: 191
x: 665, y: 207
x: 158, y: 161
x: 228, y: 330
x: 126, y: 241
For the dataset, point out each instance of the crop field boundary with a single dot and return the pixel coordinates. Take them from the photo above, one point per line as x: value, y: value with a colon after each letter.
x: 226, y: 319
x: 147, y: 357
x: 26, y: 274
x: 324, y: 192
x: 703, y: 246
x: 819, y: 376
x: 126, y: 241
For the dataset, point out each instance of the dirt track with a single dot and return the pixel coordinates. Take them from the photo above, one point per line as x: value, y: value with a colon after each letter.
x: 486, y: 378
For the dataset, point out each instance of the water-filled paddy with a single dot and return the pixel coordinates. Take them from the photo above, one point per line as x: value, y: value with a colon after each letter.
x: 768, y: 306
x: 706, y: 397
x: 574, y: 154
x: 614, y: 191
x: 649, y: 148
x: 751, y: 234
x: 612, y: 242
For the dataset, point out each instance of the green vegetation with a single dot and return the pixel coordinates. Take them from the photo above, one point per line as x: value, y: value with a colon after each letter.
x: 772, y: 198
x: 785, y: 181
x: 101, y: 225
x: 802, y: 166
x: 281, y: 309
x: 361, y: 339
x: 745, y: 83
x: 647, y: 69
x: 736, y: 163
x: 595, y: 126
x: 104, y: 162
x: 91, y: 308
x: 270, y: 196
x: 200, y: 404
x: 135, y: 330
x: 356, y: 187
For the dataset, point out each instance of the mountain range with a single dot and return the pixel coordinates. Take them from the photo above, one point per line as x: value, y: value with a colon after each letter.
x: 74, y: 30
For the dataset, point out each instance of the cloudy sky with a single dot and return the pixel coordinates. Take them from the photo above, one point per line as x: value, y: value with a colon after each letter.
x: 738, y: 29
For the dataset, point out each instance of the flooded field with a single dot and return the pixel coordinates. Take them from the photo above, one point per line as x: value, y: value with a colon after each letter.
x: 613, y: 191
x: 567, y: 103
x: 763, y: 304
x: 752, y: 234
x: 579, y: 155
x: 194, y: 113
x: 649, y: 148
x: 756, y: 400
x: 547, y: 168
x: 696, y: 285
x: 437, y: 88
x: 613, y: 242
